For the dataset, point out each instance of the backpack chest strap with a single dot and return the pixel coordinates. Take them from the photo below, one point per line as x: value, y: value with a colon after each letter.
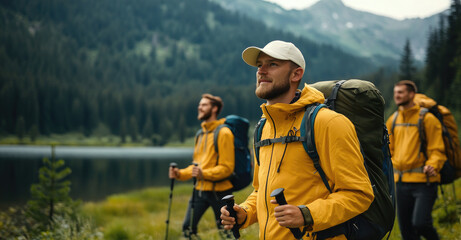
x: 406, y: 125
x: 413, y: 170
x: 283, y: 140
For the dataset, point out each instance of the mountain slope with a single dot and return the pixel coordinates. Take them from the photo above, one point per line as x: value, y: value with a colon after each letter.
x: 123, y: 65
x: 331, y: 22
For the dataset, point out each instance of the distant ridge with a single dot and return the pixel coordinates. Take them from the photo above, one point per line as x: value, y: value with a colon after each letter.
x: 331, y: 22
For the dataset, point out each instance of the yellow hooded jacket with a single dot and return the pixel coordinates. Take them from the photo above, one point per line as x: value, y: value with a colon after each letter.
x: 405, y: 144
x: 288, y: 166
x: 205, y: 155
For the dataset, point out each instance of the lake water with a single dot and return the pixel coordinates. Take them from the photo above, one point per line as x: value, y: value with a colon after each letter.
x: 96, y: 171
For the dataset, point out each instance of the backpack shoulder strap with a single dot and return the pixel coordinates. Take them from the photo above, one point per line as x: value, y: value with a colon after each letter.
x: 197, y: 135
x: 330, y: 101
x: 422, y: 136
x: 396, y: 113
x: 307, y: 129
x: 215, y: 139
x: 257, y: 137
x: 422, y: 132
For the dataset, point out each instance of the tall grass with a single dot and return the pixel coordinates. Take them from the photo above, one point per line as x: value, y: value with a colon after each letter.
x: 142, y: 214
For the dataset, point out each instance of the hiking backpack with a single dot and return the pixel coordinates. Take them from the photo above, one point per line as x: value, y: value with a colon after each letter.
x: 451, y: 169
x: 363, y: 104
x: 242, y: 175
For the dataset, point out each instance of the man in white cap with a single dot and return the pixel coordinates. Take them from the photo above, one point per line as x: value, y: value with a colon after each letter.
x: 311, y: 207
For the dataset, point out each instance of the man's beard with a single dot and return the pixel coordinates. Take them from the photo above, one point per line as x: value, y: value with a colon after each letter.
x: 403, y: 103
x: 205, y: 116
x: 274, y: 92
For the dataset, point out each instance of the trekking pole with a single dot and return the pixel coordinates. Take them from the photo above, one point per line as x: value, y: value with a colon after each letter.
x: 280, y: 197
x: 172, y: 165
x: 192, y: 205
x: 229, y: 201
x: 454, y: 191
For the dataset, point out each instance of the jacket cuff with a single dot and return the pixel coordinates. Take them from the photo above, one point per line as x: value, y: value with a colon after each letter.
x: 308, y: 220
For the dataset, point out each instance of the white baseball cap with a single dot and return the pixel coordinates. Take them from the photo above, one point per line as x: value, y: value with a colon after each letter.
x: 276, y: 49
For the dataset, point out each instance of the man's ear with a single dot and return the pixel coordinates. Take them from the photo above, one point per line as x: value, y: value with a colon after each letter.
x: 297, y: 74
x: 412, y: 95
x: 214, y: 110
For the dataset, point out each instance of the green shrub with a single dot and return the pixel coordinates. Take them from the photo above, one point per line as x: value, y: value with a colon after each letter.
x: 117, y: 233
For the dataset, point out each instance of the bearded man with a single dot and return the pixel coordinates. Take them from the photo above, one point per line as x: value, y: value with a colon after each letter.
x: 312, y: 208
x: 416, y: 174
x: 211, y: 175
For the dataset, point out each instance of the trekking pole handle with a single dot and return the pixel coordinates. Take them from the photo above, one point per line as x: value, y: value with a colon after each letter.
x: 172, y: 165
x: 229, y: 201
x: 195, y: 178
x: 280, y: 197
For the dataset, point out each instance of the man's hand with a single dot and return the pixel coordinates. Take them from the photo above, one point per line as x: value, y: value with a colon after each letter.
x: 228, y: 221
x: 197, y: 172
x: 173, y: 173
x: 288, y: 215
x: 429, y: 171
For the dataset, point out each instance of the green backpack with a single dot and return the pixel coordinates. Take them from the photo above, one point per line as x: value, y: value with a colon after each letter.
x: 363, y: 104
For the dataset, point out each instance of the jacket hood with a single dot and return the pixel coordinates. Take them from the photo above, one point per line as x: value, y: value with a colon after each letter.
x: 308, y: 96
x: 424, y: 101
x: 210, y: 126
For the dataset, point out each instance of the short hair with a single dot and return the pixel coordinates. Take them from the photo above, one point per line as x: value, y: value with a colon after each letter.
x: 215, y: 101
x: 411, y: 86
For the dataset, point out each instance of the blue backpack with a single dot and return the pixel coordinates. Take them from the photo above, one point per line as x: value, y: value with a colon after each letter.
x: 242, y: 175
x: 363, y: 104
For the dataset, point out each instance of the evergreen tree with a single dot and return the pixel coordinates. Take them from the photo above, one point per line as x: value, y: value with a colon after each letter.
x: 123, y: 130
x: 455, y: 32
x: 182, y: 128
x: 148, y: 128
x: 50, y: 196
x: 407, y: 66
x: 34, y: 133
x: 20, y: 127
x: 443, y: 54
x: 133, y: 129
x: 166, y: 130
x: 432, y: 63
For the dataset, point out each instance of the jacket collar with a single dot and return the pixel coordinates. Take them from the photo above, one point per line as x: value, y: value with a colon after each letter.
x: 308, y: 96
x: 210, y: 126
x: 415, y: 109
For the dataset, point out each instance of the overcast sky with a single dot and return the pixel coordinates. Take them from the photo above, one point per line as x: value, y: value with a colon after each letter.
x: 398, y: 9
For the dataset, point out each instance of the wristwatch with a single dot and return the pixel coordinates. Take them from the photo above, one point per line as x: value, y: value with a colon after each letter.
x: 308, y: 221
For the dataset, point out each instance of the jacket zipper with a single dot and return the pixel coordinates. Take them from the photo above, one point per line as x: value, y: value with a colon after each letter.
x: 267, y: 176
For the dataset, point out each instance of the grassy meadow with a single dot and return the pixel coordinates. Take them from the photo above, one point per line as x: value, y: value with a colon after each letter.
x: 141, y: 215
